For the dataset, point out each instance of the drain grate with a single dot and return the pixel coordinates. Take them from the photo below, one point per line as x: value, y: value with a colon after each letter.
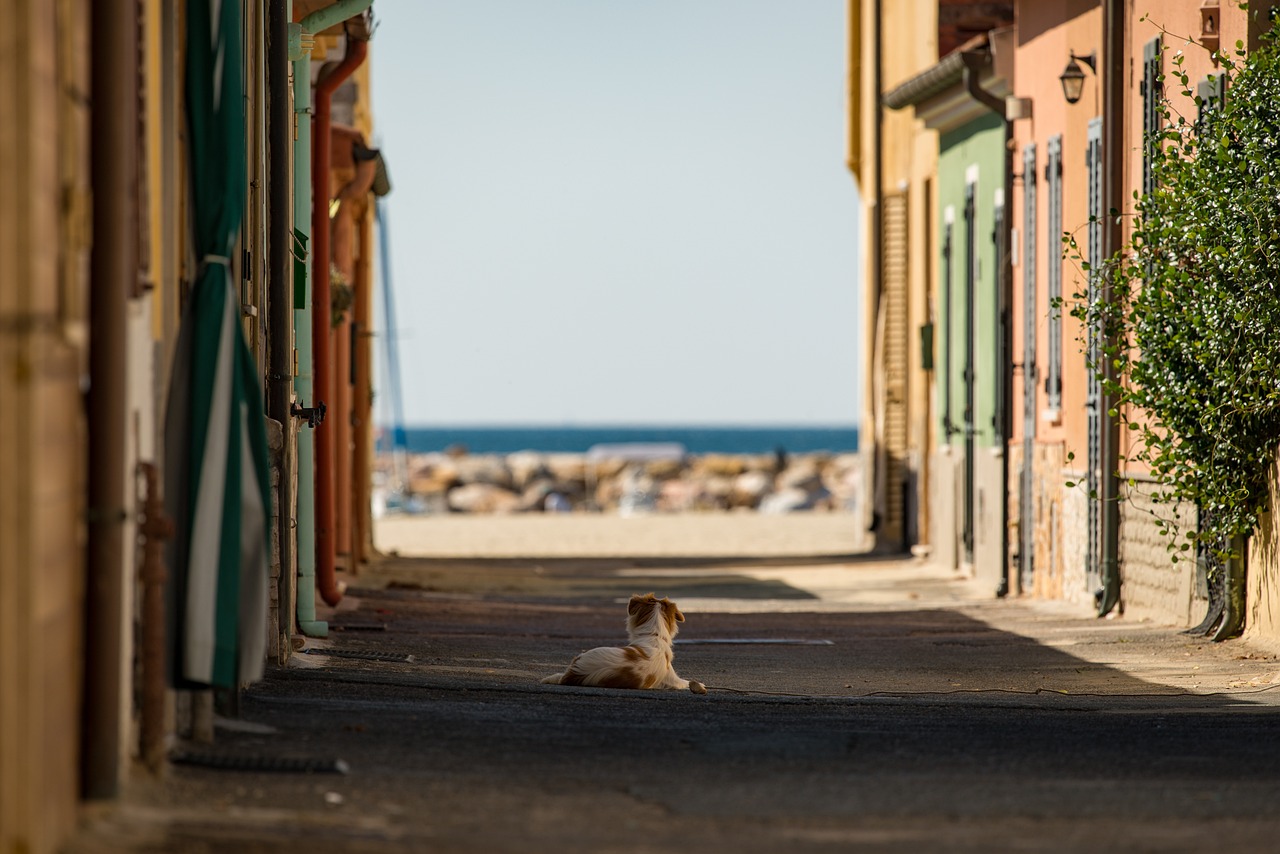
x: 280, y: 764
x: 397, y: 657
x: 782, y: 641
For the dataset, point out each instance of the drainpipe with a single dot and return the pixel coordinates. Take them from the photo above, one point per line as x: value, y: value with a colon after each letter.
x: 1113, y: 154
x: 300, y: 54
x: 879, y: 460
x: 1233, y: 592
x: 114, y: 274
x: 155, y: 528
x: 973, y: 63
x: 362, y: 415
x: 280, y: 294
x: 322, y: 19
x: 326, y: 574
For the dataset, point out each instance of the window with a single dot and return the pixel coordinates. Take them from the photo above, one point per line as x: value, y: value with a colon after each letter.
x: 1029, y: 289
x: 1053, y: 182
x: 1152, y: 89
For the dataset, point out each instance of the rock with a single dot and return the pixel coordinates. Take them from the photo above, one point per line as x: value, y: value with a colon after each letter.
x: 526, y: 467
x: 482, y: 498
x: 719, y: 464
x: 534, y: 496
x: 566, y: 468
x: 749, y: 488
x: 677, y: 496
x: 793, y: 499
x: 489, y: 468
x: 664, y: 469
x: 803, y: 473
x: 843, y: 477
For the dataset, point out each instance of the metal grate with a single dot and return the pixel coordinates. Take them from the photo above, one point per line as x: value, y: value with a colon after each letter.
x: 256, y: 762
x: 361, y: 655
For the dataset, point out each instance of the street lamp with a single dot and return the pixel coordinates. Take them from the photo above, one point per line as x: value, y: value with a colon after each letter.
x: 1073, y: 75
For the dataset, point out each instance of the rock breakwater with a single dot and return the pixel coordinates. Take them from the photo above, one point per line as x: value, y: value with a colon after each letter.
x: 533, y: 482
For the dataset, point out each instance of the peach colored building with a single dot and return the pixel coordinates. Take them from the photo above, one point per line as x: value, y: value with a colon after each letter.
x: 1060, y: 471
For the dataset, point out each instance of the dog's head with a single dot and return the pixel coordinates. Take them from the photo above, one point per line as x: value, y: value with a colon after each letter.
x: 642, y: 609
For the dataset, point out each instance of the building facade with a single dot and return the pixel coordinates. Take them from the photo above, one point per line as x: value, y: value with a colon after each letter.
x: 98, y: 266
x: 1025, y: 479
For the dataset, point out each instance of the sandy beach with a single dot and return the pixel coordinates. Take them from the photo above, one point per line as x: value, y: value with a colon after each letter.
x: 607, y: 535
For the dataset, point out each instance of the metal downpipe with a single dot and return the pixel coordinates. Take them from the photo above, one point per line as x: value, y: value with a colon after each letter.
x: 362, y: 406
x: 1113, y: 154
x: 321, y: 316
x: 306, y: 604
x: 114, y: 272
x: 1233, y: 592
x: 280, y: 294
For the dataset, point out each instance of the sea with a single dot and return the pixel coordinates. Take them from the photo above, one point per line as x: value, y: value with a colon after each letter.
x: 580, y: 439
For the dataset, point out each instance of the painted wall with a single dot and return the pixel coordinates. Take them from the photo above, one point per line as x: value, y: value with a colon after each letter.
x: 907, y: 44
x: 44, y: 244
x: 1046, y: 34
x: 973, y: 154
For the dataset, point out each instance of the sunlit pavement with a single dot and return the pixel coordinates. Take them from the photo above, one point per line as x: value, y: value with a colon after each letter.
x: 853, y: 702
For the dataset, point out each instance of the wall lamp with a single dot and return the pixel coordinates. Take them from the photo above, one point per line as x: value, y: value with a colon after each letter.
x: 1073, y: 75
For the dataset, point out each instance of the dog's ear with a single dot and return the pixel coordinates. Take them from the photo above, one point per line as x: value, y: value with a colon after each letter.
x: 675, y: 611
x: 633, y: 607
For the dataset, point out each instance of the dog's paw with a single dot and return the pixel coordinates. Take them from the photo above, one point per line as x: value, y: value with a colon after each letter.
x: 697, y: 687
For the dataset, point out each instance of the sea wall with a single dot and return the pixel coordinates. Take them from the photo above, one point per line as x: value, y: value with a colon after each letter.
x: 531, y: 482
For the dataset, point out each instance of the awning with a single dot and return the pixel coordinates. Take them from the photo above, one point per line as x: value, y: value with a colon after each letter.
x: 217, y: 473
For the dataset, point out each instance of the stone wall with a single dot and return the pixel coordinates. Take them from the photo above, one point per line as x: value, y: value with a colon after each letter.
x: 1074, y: 536
x: 1047, y: 581
x: 1153, y: 586
x: 1262, y: 581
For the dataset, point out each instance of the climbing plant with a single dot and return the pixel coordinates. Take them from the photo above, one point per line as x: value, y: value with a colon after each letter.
x: 1191, y: 333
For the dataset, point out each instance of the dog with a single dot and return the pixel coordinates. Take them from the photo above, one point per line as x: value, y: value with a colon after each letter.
x: 646, y: 663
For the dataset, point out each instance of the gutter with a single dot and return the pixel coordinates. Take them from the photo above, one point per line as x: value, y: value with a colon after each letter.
x: 280, y: 296
x: 932, y: 81
x: 1113, y: 154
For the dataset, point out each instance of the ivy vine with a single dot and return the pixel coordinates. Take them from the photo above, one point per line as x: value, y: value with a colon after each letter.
x: 1192, y: 329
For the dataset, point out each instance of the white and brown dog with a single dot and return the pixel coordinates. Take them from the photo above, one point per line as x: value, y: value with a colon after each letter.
x: 646, y: 663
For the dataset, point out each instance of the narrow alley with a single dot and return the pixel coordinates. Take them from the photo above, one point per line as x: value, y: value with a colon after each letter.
x: 852, y: 702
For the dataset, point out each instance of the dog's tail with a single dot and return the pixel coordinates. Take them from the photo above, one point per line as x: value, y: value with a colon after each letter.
x: 554, y: 679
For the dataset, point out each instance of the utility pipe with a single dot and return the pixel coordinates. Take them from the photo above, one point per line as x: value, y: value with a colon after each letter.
x: 342, y: 377
x: 326, y: 574
x: 322, y: 19
x: 1232, y: 591
x: 362, y: 415
x: 1113, y: 155
x: 114, y: 275
x: 973, y: 63
x: 300, y: 54
x: 352, y: 201
x: 155, y: 528
x: 879, y: 460
x: 280, y: 294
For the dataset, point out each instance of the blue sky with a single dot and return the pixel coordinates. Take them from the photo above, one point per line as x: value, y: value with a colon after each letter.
x: 614, y: 211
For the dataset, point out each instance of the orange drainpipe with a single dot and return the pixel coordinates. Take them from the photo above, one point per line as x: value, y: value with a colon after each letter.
x: 326, y: 574
x: 353, y: 200
x: 362, y: 416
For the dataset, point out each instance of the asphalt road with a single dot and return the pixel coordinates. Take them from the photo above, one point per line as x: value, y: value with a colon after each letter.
x: 852, y: 706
